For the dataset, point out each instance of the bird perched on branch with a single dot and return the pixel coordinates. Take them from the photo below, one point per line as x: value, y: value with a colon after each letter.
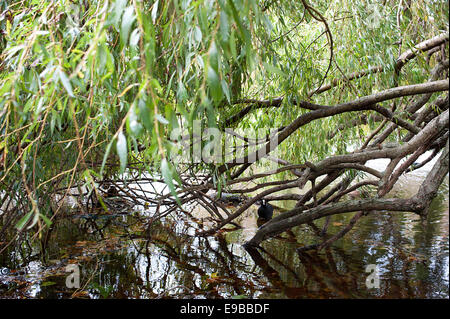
x: 265, y: 210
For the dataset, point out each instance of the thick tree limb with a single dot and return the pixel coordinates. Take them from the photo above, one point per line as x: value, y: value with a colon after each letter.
x: 421, y: 47
x: 424, y: 46
x: 400, y: 62
x: 419, y: 203
x: 364, y: 103
x: 430, y: 185
x: 275, y: 227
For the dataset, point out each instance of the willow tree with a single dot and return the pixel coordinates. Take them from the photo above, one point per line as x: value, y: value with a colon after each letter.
x: 91, y: 92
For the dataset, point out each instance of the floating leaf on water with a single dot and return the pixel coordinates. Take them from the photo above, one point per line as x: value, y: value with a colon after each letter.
x: 48, y: 283
x: 80, y: 294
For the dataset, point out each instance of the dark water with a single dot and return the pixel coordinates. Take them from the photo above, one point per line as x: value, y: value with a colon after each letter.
x: 169, y: 261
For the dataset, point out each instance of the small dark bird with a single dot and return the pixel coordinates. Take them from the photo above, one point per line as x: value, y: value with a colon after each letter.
x: 265, y: 211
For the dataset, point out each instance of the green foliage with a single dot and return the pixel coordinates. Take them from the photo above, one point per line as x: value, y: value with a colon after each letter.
x: 104, y: 292
x: 91, y: 85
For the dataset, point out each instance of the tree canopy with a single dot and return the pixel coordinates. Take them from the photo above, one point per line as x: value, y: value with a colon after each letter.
x: 90, y: 92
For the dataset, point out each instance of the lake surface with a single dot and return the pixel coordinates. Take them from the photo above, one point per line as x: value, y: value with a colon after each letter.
x: 167, y: 260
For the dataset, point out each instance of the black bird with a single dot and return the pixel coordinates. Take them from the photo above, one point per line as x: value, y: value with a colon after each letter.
x: 265, y: 211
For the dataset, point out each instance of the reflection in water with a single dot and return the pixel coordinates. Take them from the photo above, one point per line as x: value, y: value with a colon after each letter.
x: 167, y: 260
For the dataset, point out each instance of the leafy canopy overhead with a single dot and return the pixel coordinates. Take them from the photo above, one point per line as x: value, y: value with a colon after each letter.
x: 89, y: 88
